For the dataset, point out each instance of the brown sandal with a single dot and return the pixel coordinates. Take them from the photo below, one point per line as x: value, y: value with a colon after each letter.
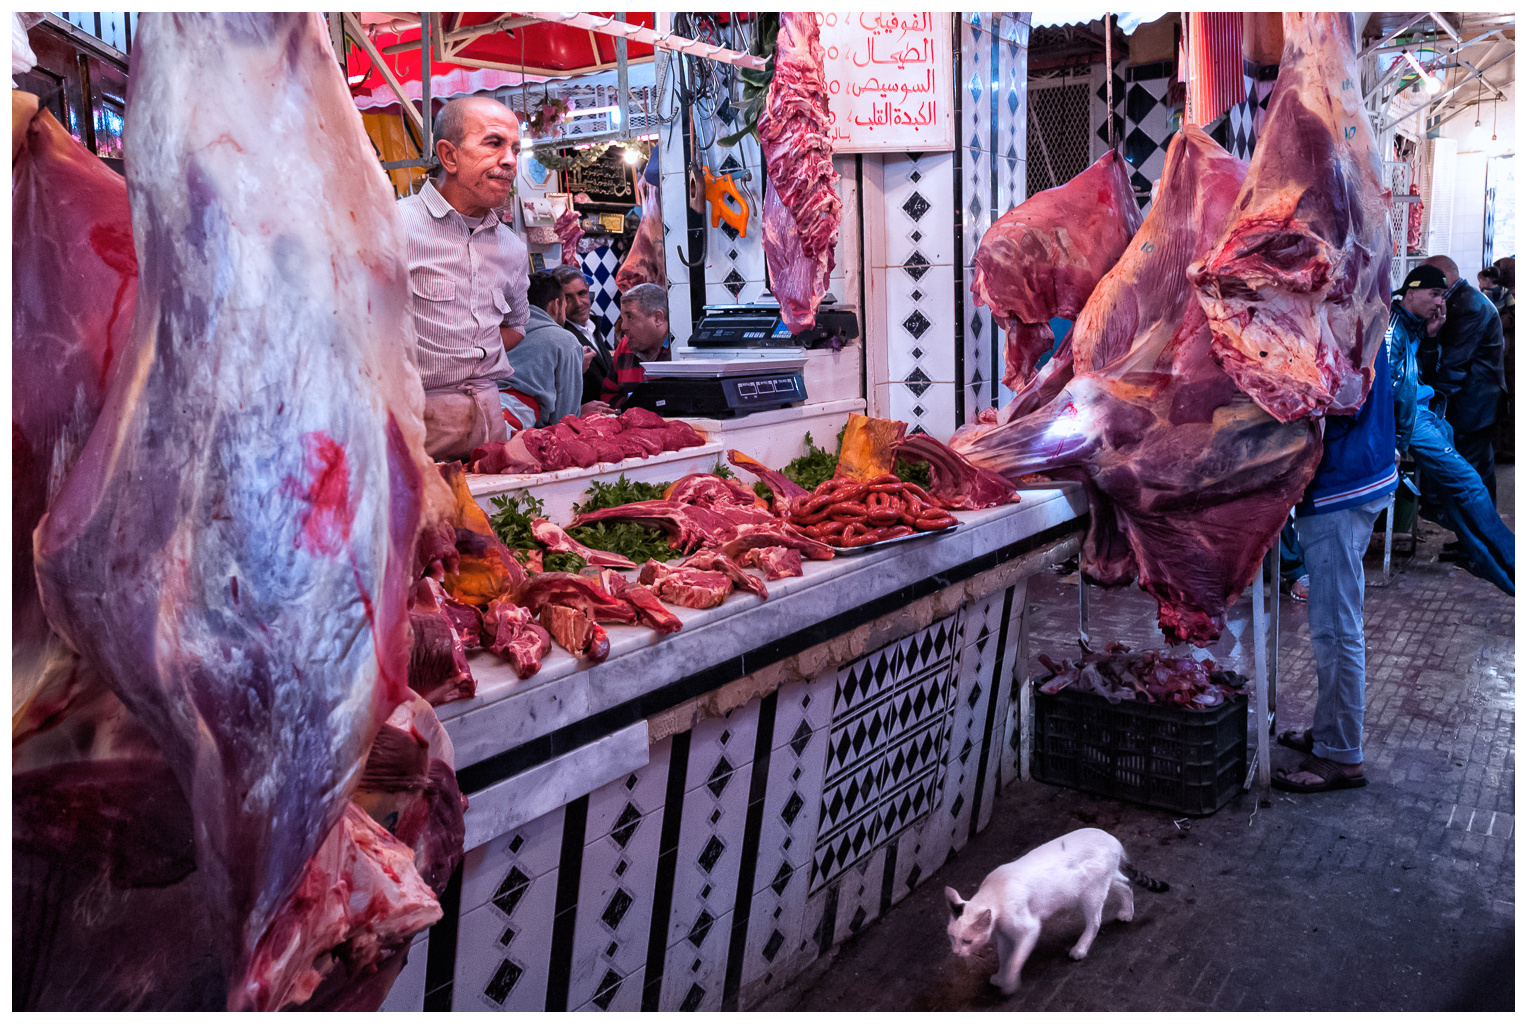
x: 1302, y: 740
x: 1331, y: 777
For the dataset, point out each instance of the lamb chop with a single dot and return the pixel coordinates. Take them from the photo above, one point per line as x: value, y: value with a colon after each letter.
x: 576, y: 632
x: 1188, y: 479
x: 650, y: 611
x: 802, y: 210
x: 687, y: 526
x: 687, y: 588
x: 1043, y: 258
x: 556, y: 539
x: 1297, y: 290
x: 246, y: 510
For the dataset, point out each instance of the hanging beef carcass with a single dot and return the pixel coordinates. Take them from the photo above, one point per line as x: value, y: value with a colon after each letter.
x: 1042, y: 259
x: 1297, y: 290
x: 74, y: 282
x: 232, y: 551
x: 1189, y: 479
x: 645, y: 263
x: 802, y: 209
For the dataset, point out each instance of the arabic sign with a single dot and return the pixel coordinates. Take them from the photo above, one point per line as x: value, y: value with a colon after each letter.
x: 890, y: 81
x: 607, y: 180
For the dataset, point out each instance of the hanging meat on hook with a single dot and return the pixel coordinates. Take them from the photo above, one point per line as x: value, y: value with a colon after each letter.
x: 802, y: 210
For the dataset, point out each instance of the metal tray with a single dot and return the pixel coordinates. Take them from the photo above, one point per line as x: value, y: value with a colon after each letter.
x: 879, y: 544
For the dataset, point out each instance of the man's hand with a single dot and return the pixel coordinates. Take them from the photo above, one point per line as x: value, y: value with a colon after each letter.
x: 1435, y: 323
x: 588, y: 359
x: 596, y: 409
x: 511, y: 337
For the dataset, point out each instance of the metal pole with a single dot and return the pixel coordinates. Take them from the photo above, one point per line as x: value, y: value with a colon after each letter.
x: 1388, y: 535
x: 622, y: 81
x: 1081, y: 591
x: 1108, y: 70
x: 337, y: 39
x: 1274, y: 569
x: 1260, y: 716
x: 353, y: 26
x: 424, y: 76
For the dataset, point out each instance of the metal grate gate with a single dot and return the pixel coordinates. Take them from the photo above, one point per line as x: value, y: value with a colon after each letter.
x: 1059, y: 131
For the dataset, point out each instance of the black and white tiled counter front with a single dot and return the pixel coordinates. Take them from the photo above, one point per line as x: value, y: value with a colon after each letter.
x: 686, y: 827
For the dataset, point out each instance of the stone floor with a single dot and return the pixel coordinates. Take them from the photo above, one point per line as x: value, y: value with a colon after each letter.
x: 1397, y: 896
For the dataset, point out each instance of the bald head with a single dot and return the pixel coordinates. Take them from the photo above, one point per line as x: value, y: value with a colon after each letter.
x: 1447, y: 266
x: 477, y: 141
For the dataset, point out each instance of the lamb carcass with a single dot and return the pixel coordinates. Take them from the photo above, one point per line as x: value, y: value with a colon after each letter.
x: 645, y: 263
x: 1189, y: 479
x: 233, y: 550
x: 1043, y: 258
x: 1297, y: 290
x: 802, y: 210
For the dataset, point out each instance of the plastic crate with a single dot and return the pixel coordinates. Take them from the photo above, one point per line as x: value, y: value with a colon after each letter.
x: 1159, y: 755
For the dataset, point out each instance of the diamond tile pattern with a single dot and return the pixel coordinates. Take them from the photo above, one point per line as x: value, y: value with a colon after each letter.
x: 885, y: 747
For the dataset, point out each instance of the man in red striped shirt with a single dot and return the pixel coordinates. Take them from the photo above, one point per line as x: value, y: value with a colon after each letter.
x: 643, y: 336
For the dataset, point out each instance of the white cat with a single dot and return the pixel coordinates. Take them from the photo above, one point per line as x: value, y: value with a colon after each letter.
x: 1075, y: 871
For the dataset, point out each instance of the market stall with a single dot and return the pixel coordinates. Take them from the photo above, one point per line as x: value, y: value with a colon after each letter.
x: 650, y: 707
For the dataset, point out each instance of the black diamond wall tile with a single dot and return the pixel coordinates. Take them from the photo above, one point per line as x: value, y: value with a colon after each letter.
x: 719, y: 777
x: 730, y: 232
x: 700, y: 928
x: 916, y: 206
x: 733, y: 281
x: 615, y: 910
x: 692, y: 999
x: 857, y: 921
x: 626, y: 825
x: 519, y: 841
x: 917, y: 381
x: 507, y: 937
x: 801, y: 738
x: 503, y: 982
x: 771, y: 948
x: 792, y: 808
x: 917, y: 265
x: 510, y: 890
x: 609, y: 986
x: 712, y: 853
x: 782, y: 878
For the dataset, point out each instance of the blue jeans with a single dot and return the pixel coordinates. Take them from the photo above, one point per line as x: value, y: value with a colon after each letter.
x: 1333, y: 544
x: 1487, y: 547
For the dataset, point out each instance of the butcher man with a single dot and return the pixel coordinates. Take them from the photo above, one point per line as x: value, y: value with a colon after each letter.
x: 643, y: 334
x: 468, y: 275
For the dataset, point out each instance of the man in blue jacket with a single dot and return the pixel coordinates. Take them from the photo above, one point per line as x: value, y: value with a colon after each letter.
x: 1465, y: 365
x: 1335, y: 521
x: 1485, y: 547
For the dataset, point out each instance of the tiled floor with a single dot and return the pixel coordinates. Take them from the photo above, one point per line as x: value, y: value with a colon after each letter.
x: 1398, y: 896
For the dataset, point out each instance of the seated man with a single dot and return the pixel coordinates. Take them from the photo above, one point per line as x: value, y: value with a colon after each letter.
x: 599, y: 363
x: 1486, y: 548
x: 548, y: 362
x: 643, y: 333
x: 467, y: 272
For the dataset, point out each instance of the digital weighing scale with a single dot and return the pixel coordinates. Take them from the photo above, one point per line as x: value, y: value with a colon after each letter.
x: 722, y: 383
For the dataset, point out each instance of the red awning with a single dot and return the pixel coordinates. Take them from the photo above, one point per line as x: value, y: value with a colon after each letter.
x: 535, y: 49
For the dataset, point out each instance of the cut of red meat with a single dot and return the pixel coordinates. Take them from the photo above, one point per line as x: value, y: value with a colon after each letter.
x: 781, y: 487
x: 717, y: 562
x: 776, y: 534
x: 596, y: 426
x: 1297, y: 290
x: 1043, y: 258
x: 556, y: 539
x: 777, y: 562
x: 578, y: 634
x: 687, y: 526
x: 641, y: 419
x: 466, y: 620
x: 712, y: 492
x: 681, y: 435
x: 650, y: 611
x: 649, y: 440
x: 802, y: 210
x: 954, y: 482
x: 1188, y: 479
x: 574, y: 591
x: 511, y: 456
x: 510, y: 632
x: 486, y: 569
x: 693, y: 588
x: 361, y: 897
x: 437, y: 663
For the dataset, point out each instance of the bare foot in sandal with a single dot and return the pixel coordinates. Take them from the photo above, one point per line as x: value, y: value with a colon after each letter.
x: 1319, y: 775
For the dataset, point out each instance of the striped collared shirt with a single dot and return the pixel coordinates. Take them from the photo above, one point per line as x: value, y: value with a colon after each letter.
x: 466, y: 281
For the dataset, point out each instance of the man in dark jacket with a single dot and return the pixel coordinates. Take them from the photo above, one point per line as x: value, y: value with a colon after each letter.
x: 1353, y: 484
x: 1465, y: 367
x: 1485, y: 547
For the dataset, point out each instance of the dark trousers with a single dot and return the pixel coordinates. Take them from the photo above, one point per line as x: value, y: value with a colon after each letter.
x: 1478, y: 449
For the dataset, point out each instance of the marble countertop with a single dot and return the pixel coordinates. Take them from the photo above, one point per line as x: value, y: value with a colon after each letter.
x: 508, y: 712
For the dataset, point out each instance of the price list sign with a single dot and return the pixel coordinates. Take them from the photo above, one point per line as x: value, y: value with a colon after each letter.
x: 890, y: 81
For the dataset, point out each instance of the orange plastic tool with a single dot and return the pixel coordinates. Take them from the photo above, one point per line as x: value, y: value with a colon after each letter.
x: 726, y: 202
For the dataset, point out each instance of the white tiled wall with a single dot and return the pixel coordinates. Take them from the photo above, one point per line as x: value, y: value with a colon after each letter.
x: 869, y: 760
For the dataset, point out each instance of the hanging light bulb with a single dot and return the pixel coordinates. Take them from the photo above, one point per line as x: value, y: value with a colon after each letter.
x: 1431, y: 83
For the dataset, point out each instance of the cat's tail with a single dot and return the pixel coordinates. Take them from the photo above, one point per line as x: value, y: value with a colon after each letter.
x: 1142, y: 879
